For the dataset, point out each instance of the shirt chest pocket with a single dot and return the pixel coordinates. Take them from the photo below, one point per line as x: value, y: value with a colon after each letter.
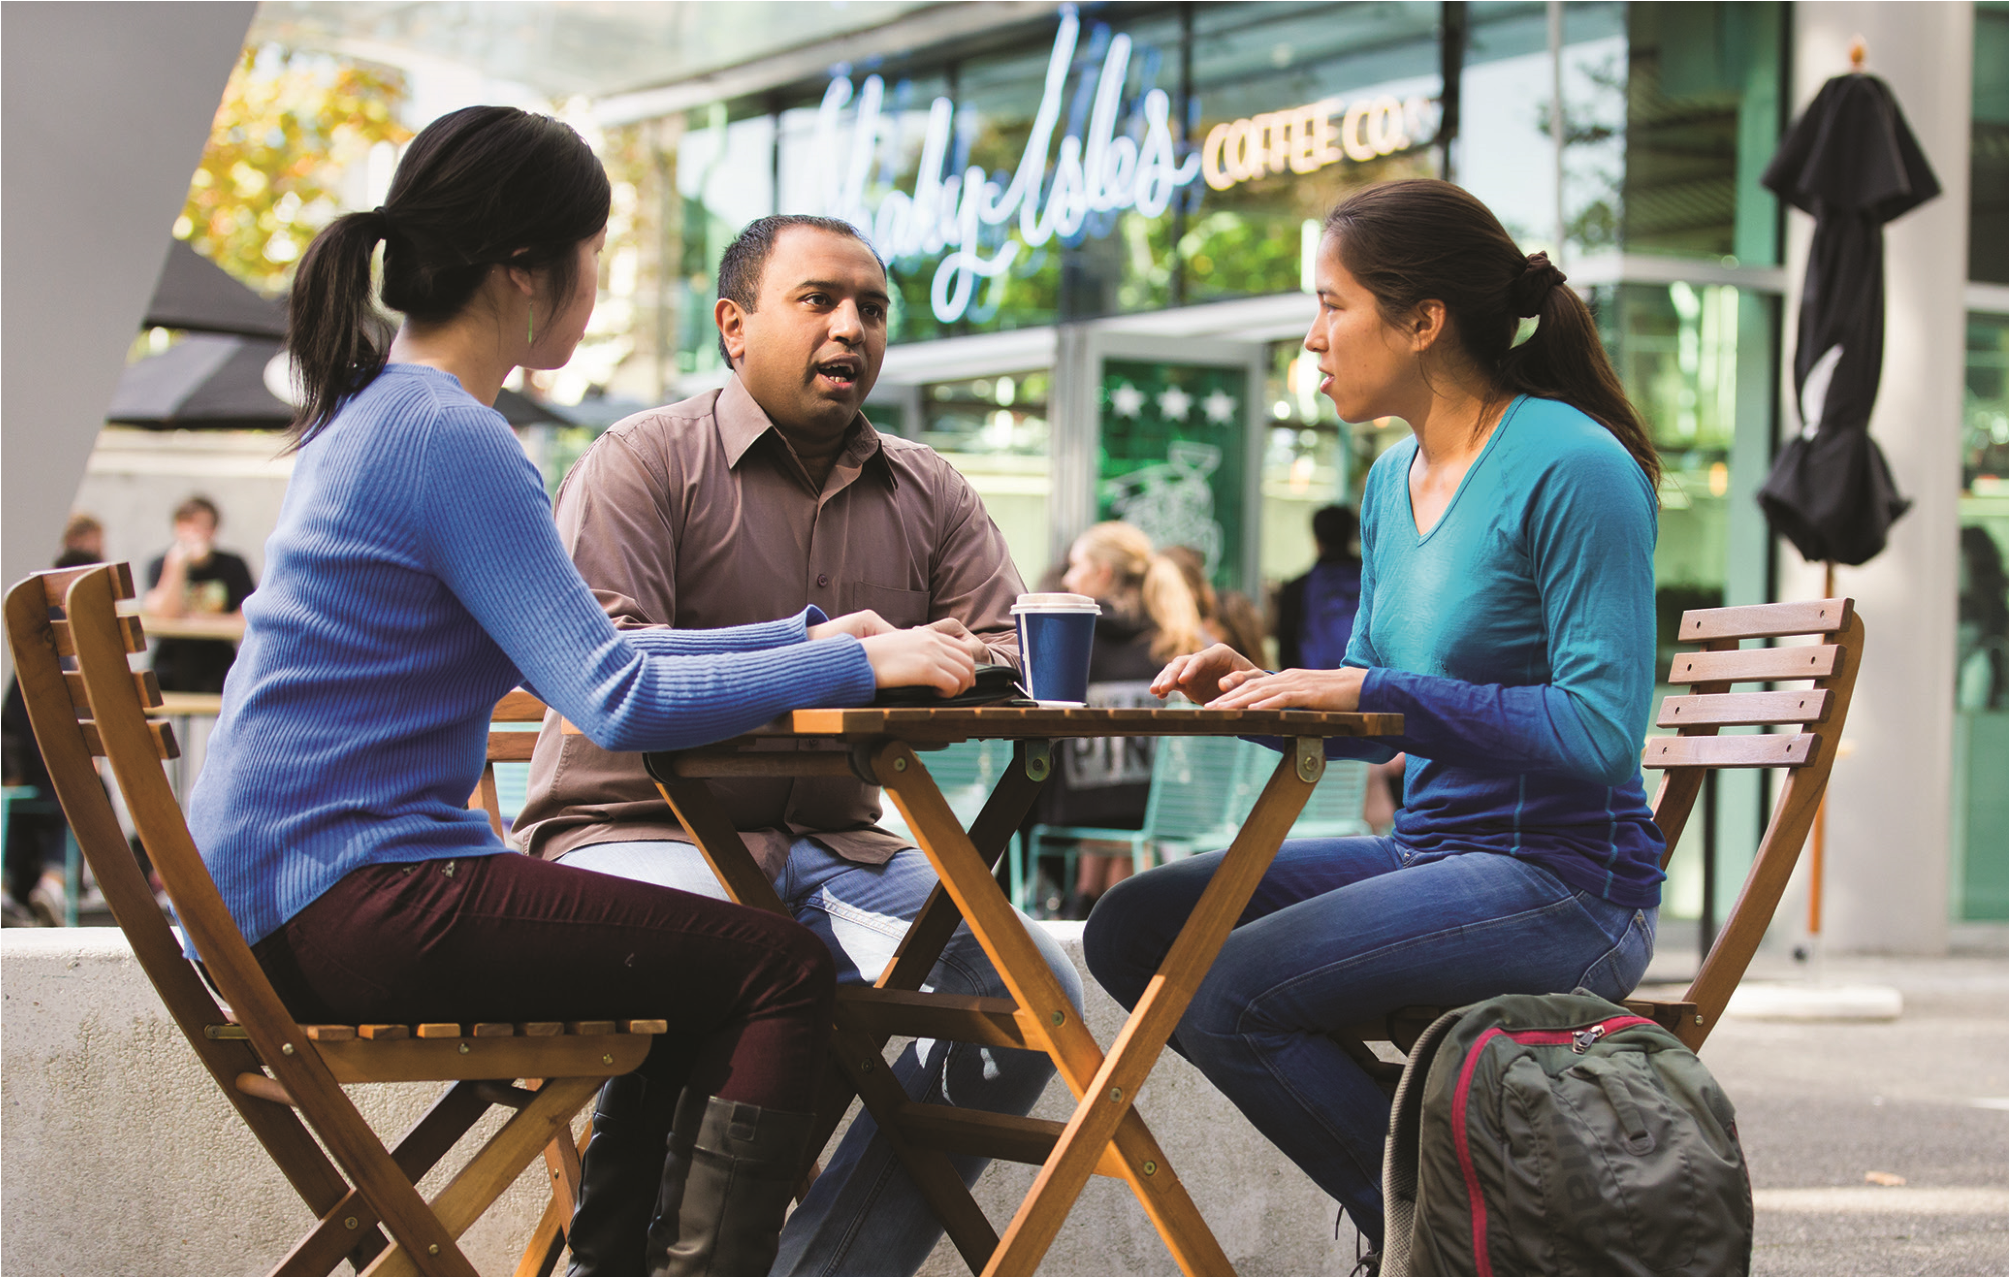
x: 899, y: 607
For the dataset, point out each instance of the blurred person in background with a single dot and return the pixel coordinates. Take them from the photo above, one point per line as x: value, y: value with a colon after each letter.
x: 1228, y: 617
x: 1982, y: 667
x: 84, y: 535
x: 1315, y: 611
x: 37, y: 834
x: 1149, y: 615
x: 194, y: 578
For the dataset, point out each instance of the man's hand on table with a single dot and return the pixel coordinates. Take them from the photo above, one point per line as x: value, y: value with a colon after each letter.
x: 1222, y: 678
x: 922, y: 657
x: 956, y: 630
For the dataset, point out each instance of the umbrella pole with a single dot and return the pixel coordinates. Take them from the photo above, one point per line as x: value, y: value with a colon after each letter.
x: 1820, y: 813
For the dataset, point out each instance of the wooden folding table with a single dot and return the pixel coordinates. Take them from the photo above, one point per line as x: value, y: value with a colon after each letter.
x: 1106, y: 1135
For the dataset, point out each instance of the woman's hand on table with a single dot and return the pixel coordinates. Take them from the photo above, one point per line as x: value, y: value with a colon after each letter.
x: 1337, y: 690
x: 1199, y: 676
x: 861, y: 625
x: 921, y: 657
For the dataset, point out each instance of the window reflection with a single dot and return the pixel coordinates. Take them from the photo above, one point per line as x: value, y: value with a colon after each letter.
x: 994, y: 431
x: 1981, y: 658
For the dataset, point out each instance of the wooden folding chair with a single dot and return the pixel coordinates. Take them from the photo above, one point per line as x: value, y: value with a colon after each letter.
x: 1807, y: 755
x: 285, y: 1079
x: 505, y: 746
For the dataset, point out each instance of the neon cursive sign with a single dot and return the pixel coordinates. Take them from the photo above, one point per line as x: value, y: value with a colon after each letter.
x: 1095, y: 170
x: 1304, y: 139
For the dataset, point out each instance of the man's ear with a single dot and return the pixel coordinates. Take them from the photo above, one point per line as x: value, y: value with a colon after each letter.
x: 731, y: 321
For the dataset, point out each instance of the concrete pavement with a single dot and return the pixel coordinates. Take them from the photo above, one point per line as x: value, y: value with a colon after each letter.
x: 1924, y: 1097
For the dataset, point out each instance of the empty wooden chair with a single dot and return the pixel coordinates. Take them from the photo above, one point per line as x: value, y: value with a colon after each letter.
x: 285, y: 1079
x: 506, y: 746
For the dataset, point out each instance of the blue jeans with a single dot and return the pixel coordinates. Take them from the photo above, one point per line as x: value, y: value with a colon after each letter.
x: 1341, y: 931
x: 864, y: 1217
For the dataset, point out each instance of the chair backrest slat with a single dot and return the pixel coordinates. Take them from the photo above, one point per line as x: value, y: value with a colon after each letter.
x: 127, y: 628
x: 511, y: 747
x: 518, y: 706
x: 1766, y: 620
x: 1757, y: 665
x: 143, y: 681
x: 56, y: 583
x: 1796, y: 750
x: 1745, y: 709
x: 163, y: 739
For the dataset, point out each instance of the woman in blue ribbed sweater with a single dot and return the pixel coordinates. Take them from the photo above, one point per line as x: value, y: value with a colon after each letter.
x: 1506, y: 612
x: 413, y: 578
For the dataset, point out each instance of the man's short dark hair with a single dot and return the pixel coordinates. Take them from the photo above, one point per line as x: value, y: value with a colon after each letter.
x: 745, y: 259
x: 194, y: 506
x: 1334, y: 528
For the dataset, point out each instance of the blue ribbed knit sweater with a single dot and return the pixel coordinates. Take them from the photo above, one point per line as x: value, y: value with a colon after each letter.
x: 1516, y: 639
x: 414, y: 577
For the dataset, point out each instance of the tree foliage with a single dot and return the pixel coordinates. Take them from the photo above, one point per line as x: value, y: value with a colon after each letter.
x: 287, y: 154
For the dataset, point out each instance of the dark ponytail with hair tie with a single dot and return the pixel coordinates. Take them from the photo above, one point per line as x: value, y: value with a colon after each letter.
x: 1421, y: 240
x: 1532, y: 288
x: 481, y: 187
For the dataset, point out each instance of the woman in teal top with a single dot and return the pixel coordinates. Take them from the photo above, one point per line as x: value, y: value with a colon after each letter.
x: 1506, y: 612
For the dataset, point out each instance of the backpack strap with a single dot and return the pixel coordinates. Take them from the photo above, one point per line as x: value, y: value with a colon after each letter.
x: 1399, y: 1154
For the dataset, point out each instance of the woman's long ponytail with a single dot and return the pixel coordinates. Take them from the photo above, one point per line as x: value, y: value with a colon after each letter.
x: 1563, y: 359
x: 1421, y: 240
x: 335, y: 335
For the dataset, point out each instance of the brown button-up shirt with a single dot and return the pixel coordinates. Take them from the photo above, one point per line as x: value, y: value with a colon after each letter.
x: 700, y: 515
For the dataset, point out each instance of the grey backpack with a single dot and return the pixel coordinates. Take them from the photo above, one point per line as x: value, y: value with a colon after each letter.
x: 1561, y: 1134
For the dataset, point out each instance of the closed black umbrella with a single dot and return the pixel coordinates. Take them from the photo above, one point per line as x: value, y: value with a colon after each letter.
x: 196, y: 294
x: 1852, y: 162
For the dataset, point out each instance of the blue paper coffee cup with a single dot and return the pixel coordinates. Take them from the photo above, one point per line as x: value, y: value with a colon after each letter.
x: 1056, y: 633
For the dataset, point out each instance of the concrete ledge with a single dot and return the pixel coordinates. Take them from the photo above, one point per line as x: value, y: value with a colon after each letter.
x: 120, y: 1156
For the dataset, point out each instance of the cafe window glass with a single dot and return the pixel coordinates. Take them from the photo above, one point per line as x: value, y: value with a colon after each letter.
x: 1373, y: 72
x: 1669, y: 113
x: 1981, y: 658
x: 725, y: 178
x: 1988, y: 192
x: 993, y: 430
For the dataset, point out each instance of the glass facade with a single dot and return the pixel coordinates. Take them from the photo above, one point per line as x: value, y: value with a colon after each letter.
x: 1138, y: 158
x: 1988, y: 192
x: 1981, y: 661
x: 1980, y: 837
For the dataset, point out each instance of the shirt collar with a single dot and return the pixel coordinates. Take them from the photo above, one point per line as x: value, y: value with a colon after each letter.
x: 742, y: 422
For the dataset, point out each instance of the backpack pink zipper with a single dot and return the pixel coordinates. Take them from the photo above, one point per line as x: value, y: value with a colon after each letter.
x: 1580, y: 1039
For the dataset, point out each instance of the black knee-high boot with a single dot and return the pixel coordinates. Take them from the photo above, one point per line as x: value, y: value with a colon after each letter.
x: 725, y: 1188
x: 618, y: 1178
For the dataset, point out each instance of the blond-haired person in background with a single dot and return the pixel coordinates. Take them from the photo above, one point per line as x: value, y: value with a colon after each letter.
x: 1149, y: 615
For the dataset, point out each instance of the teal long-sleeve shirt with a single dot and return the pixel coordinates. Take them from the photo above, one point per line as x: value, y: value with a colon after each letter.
x: 1516, y: 639
x: 415, y: 576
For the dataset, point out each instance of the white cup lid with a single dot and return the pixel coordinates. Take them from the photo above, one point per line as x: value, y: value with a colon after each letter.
x: 1056, y: 602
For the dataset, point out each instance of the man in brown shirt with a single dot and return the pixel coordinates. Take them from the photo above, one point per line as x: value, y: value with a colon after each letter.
x: 745, y: 504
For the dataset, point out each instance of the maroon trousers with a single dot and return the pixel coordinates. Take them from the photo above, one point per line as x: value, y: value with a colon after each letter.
x: 748, y: 994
